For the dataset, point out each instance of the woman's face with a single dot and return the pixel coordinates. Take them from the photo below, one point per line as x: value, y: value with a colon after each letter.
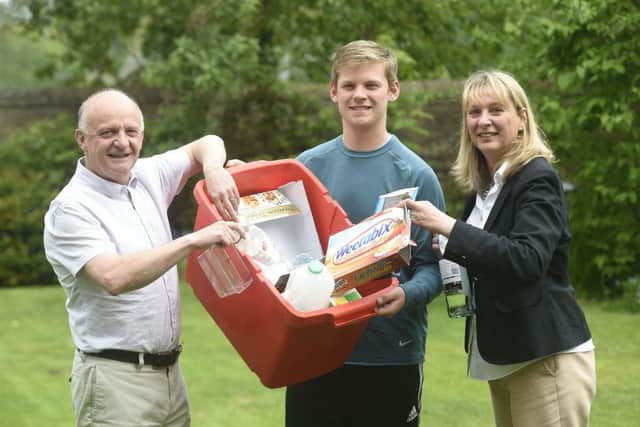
x: 493, y: 126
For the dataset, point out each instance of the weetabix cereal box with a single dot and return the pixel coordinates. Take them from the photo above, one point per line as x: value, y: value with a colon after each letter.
x: 370, y: 249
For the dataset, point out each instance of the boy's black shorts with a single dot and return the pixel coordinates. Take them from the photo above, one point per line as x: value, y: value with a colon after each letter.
x: 354, y: 395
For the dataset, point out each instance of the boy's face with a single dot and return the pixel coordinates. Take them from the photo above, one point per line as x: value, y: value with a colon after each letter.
x: 362, y: 94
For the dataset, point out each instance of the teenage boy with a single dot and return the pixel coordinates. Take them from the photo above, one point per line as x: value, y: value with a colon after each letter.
x: 380, y: 384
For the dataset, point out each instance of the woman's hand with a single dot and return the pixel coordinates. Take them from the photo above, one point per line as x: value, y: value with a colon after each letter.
x: 425, y: 215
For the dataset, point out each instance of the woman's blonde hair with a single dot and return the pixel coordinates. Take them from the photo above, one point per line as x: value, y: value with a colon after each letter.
x: 470, y: 169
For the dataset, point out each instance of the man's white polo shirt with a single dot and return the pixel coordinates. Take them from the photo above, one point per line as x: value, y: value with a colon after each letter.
x: 93, y: 216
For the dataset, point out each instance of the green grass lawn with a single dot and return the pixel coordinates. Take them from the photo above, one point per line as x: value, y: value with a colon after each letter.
x: 37, y: 350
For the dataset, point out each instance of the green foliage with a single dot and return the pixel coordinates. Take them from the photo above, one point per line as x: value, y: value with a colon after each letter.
x: 587, y: 56
x: 627, y: 296
x: 99, y: 37
x: 226, y: 68
x: 428, y: 37
x: 201, y: 52
x: 22, y: 56
x: 36, y: 163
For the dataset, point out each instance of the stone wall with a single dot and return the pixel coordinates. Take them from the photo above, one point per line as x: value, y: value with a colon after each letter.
x: 18, y: 108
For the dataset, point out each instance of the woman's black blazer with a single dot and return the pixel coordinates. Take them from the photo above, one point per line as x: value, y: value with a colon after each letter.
x: 518, y: 267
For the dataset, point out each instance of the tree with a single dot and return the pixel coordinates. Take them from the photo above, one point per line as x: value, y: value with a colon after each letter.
x: 36, y: 162
x: 241, y: 69
x: 220, y: 66
x: 586, y: 56
x: 223, y: 64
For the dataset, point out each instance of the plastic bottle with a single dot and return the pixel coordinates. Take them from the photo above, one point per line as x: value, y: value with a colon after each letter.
x: 259, y: 246
x: 455, y: 282
x: 309, y: 287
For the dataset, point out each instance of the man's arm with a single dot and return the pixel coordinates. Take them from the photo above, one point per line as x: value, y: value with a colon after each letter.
x: 208, y: 155
x: 123, y: 273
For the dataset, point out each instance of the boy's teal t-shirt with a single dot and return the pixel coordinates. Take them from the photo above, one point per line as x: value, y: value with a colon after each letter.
x: 355, y: 179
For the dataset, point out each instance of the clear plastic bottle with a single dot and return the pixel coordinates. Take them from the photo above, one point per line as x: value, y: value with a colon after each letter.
x: 309, y: 287
x: 455, y: 282
x: 258, y: 245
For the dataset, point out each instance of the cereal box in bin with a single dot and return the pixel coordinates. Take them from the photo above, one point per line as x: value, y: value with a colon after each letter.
x: 370, y: 249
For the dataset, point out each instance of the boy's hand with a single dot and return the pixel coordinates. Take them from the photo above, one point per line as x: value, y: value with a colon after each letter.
x: 391, y: 302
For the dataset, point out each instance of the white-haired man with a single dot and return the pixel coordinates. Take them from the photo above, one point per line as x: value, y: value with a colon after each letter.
x: 108, y: 239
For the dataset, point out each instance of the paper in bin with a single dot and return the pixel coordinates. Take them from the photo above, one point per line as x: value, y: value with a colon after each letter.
x: 225, y: 270
x: 265, y: 206
x: 389, y: 200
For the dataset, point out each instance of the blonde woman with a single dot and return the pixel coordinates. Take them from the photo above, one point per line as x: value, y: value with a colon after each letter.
x: 527, y: 337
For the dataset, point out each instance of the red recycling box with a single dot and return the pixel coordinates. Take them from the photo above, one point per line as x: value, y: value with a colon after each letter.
x: 281, y: 345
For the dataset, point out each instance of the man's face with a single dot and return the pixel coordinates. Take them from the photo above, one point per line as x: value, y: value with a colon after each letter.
x: 113, y: 138
x: 362, y: 94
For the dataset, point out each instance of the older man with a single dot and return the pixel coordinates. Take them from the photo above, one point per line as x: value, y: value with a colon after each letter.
x: 108, y: 239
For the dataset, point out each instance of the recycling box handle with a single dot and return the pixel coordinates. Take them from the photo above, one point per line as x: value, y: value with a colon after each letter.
x: 358, y: 311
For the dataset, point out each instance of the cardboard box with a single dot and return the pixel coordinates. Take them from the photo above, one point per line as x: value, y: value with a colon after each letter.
x: 371, y: 249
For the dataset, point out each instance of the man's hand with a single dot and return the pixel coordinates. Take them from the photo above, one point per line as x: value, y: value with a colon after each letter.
x: 124, y: 273
x: 207, y: 154
x: 223, y: 192
x: 220, y: 233
x: 391, y: 302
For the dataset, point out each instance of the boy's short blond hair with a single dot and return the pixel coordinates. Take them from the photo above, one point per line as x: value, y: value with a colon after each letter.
x: 360, y: 52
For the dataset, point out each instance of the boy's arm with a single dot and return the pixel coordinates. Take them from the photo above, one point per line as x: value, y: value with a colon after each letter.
x: 420, y: 281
